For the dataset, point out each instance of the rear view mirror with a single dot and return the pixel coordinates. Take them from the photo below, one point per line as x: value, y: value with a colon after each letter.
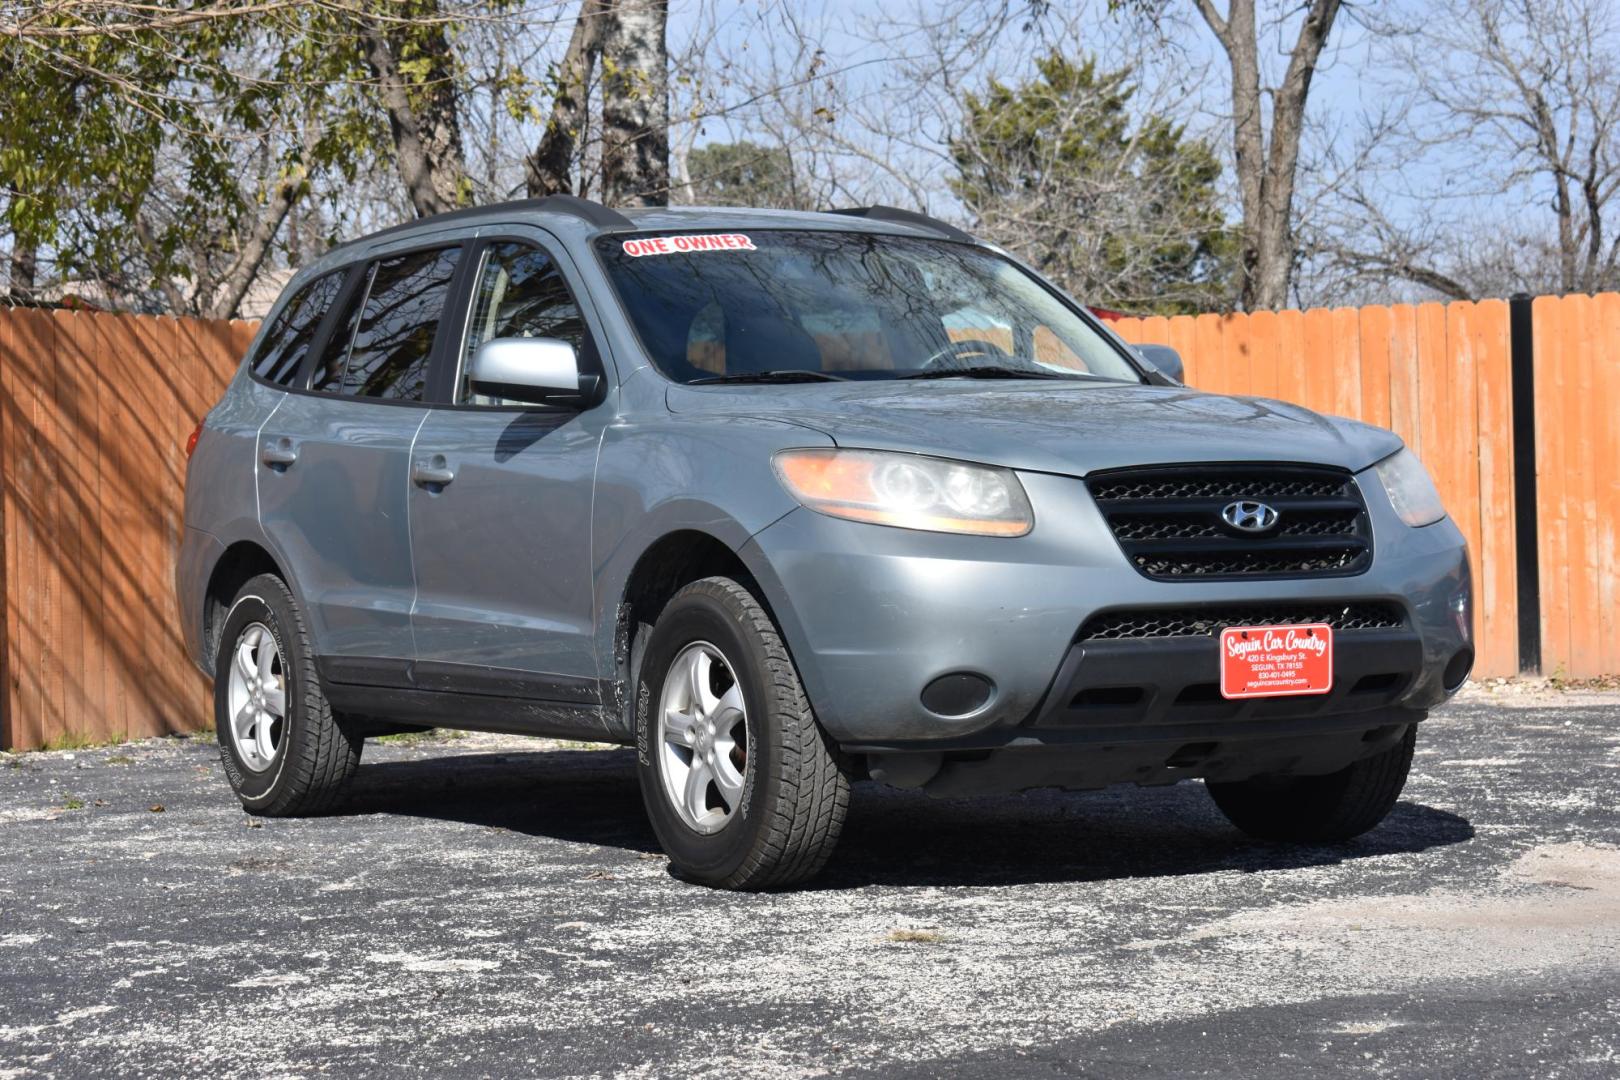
x: 1165, y: 360
x: 534, y: 370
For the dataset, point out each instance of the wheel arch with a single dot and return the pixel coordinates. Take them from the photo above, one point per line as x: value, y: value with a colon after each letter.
x: 673, y: 560
x: 241, y: 562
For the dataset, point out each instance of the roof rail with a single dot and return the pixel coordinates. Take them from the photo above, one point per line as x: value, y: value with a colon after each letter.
x: 593, y: 212
x: 572, y: 205
x: 906, y: 217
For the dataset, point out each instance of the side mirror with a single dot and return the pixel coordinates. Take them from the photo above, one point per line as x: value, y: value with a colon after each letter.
x: 534, y: 370
x: 1165, y: 360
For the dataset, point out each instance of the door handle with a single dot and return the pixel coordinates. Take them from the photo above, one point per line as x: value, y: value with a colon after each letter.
x: 433, y: 472
x: 278, y: 453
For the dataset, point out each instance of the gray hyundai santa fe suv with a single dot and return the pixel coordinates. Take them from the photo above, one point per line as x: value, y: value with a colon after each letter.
x: 785, y: 500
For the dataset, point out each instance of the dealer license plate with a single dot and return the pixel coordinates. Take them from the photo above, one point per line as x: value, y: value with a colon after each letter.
x: 1276, y: 661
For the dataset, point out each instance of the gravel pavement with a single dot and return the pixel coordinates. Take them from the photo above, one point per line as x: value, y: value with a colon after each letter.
x: 497, y: 907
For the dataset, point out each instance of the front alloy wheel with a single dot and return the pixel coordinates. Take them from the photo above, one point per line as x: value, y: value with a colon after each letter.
x: 742, y: 786
x: 703, y: 738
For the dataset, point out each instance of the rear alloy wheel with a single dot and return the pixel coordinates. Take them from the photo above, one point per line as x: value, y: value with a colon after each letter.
x: 1337, y: 806
x: 283, y: 751
x: 742, y: 786
x: 257, y: 697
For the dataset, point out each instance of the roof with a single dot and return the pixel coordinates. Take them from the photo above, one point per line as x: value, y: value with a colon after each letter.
x: 575, y: 214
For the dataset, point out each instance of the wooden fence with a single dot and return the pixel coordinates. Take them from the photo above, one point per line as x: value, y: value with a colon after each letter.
x: 94, y: 415
x: 95, y: 410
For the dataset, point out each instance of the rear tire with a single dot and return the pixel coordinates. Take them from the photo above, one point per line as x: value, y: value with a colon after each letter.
x: 1337, y: 806
x: 743, y: 788
x: 283, y: 750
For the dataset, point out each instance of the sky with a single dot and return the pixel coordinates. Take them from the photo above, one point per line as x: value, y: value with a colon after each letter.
x: 1181, y: 68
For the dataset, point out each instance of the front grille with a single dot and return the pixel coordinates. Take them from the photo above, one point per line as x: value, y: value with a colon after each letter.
x: 1210, y: 621
x: 1168, y: 522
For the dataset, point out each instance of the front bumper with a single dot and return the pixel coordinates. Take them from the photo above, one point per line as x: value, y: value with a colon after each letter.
x: 873, y: 615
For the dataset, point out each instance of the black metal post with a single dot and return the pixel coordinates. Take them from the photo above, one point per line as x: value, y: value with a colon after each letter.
x: 1525, y: 532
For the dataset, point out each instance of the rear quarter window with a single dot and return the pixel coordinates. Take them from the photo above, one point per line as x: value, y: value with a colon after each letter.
x: 282, y: 350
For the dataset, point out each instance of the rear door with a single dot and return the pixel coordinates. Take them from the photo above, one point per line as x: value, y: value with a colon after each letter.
x: 334, y: 464
x: 501, y: 507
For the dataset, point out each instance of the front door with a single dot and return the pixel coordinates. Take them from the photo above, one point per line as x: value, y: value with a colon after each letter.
x: 500, y: 510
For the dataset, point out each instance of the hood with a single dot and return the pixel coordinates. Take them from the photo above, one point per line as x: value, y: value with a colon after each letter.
x: 1050, y: 427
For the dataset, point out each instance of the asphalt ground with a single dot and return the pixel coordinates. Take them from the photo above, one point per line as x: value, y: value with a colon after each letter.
x: 498, y: 907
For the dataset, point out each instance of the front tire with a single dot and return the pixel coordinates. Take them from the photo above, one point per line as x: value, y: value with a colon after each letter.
x: 743, y: 788
x: 1334, y: 807
x: 284, y: 752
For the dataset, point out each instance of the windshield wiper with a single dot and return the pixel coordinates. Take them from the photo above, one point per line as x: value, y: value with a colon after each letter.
x: 787, y: 375
x: 981, y: 371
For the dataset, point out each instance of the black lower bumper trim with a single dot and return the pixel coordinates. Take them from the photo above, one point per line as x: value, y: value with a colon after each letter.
x: 1165, y: 689
x: 1138, y: 685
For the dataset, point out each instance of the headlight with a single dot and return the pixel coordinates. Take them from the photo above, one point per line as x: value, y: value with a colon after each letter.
x: 907, y: 490
x: 1410, y: 490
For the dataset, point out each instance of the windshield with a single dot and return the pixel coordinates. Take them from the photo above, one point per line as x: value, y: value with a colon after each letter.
x: 781, y: 306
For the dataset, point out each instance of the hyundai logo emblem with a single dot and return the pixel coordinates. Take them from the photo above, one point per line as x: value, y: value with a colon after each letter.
x: 1249, y: 517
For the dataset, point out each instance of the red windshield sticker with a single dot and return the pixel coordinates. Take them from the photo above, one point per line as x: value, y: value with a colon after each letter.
x: 677, y: 245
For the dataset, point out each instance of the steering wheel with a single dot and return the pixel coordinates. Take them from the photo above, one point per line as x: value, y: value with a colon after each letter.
x: 967, y: 347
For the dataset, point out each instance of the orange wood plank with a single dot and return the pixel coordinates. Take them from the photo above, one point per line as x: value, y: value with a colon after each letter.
x: 1213, y: 375
x: 1129, y: 329
x: 1346, y: 387
x: 8, y: 552
x: 1403, y: 376
x: 1235, y: 353
x: 1290, y: 379
x: 1261, y: 333
x: 23, y: 585
x: 1583, y: 417
x: 90, y: 348
x: 34, y: 657
x: 119, y: 476
x: 1319, y: 360
x: 1463, y: 429
x: 199, y: 393
x: 141, y: 476
x: 1375, y: 329
x: 1496, y: 609
x: 1547, y: 320
x: 1434, y: 418
x: 1181, y: 334
x: 79, y: 715
x: 172, y: 380
x: 1606, y: 456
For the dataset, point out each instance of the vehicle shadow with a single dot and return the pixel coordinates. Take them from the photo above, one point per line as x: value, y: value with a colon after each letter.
x: 891, y: 837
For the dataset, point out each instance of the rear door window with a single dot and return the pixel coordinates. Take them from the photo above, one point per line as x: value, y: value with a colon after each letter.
x: 282, y: 350
x: 334, y: 360
x: 385, y: 341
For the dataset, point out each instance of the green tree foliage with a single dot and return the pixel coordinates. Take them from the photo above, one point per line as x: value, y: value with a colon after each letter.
x: 140, y: 152
x: 744, y: 174
x: 1121, y: 211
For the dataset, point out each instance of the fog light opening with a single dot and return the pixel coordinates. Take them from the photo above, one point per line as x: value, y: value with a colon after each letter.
x: 959, y: 694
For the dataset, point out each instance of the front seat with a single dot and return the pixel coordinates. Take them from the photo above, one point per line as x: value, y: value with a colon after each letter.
x: 769, y: 342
